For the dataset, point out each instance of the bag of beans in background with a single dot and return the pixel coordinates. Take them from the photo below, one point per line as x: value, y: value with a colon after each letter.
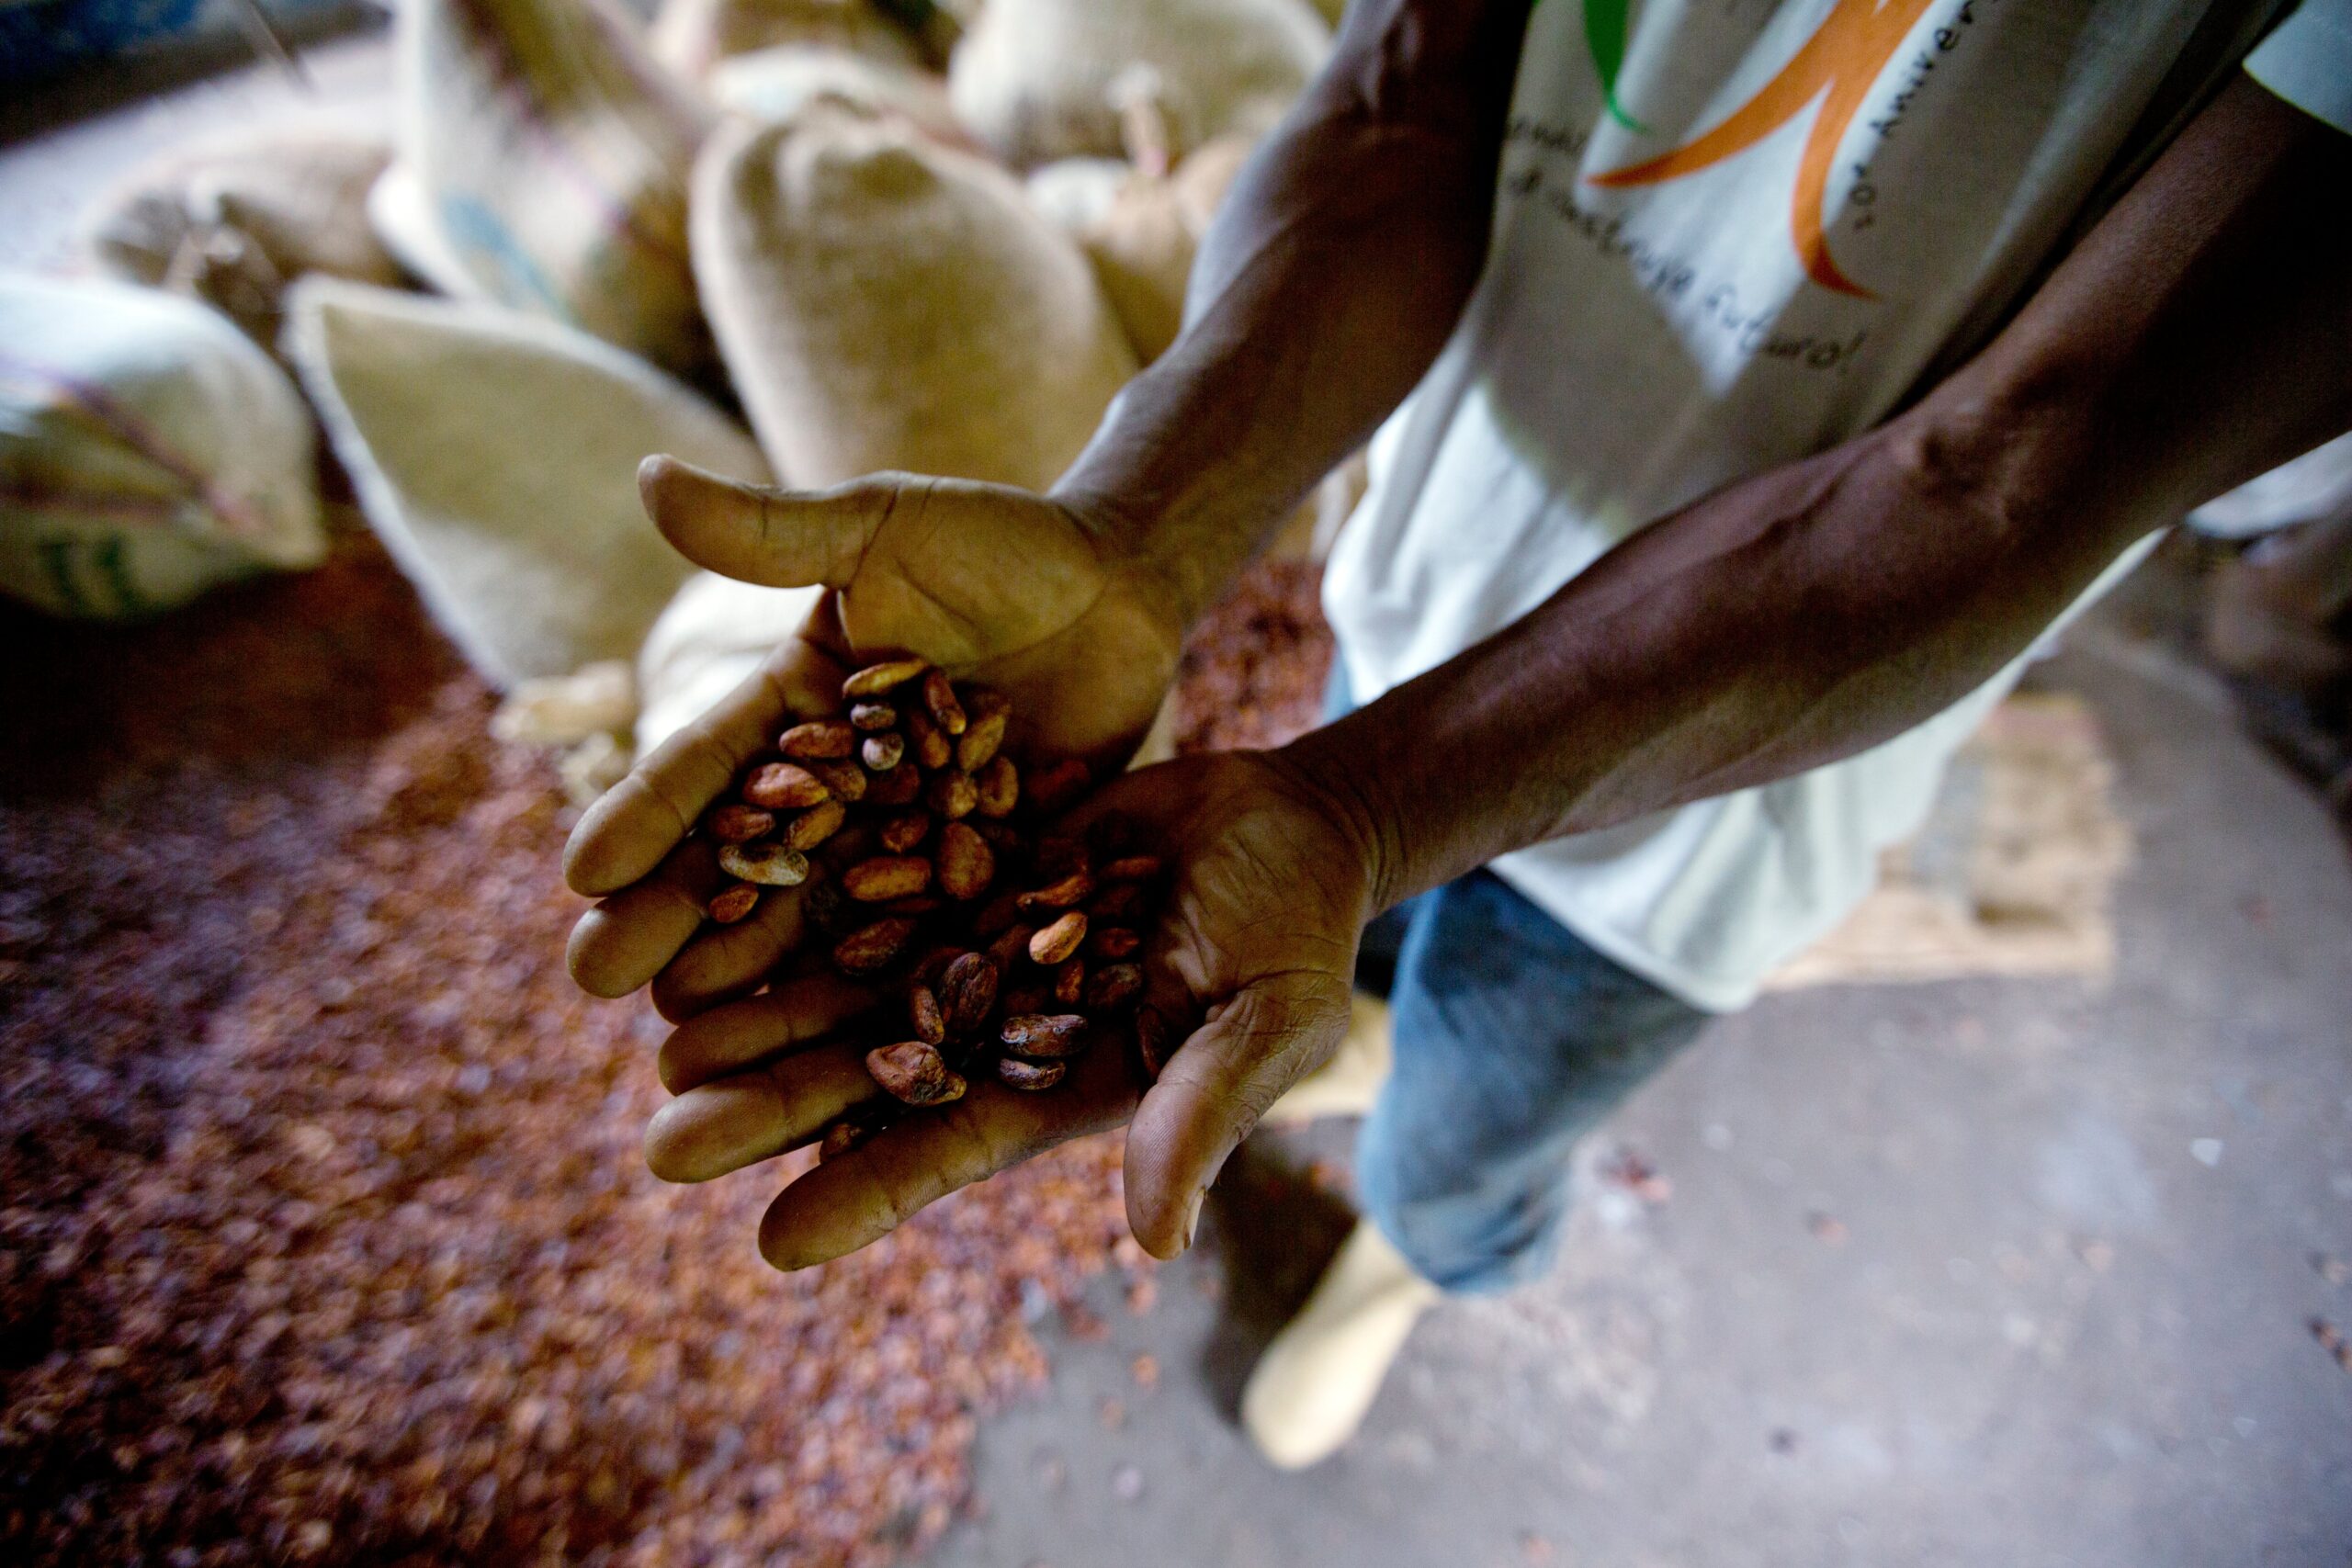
x: 497, y: 455
x: 777, y: 84
x: 886, y: 302
x: 1143, y: 241
x: 542, y: 162
x: 695, y: 37
x: 710, y: 636
x: 235, y: 220
x: 148, y: 450
x: 1033, y: 78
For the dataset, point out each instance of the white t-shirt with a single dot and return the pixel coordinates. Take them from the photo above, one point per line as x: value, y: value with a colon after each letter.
x: 1732, y: 233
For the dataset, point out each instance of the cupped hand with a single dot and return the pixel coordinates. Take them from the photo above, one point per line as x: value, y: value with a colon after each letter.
x: 1249, y: 968
x: 1023, y: 593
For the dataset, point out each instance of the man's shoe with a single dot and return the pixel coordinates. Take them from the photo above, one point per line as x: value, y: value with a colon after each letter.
x: 1311, y: 1388
x: 1350, y: 1080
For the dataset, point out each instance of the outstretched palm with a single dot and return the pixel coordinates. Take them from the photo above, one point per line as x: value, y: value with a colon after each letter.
x: 996, y: 584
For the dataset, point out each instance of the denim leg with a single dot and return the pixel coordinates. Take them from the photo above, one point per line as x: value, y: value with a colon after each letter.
x: 1513, y: 1039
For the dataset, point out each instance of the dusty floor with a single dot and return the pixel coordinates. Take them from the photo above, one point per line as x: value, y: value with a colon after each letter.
x: 1979, y: 1273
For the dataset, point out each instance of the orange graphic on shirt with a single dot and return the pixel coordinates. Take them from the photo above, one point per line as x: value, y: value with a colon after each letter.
x: 1837, y: 66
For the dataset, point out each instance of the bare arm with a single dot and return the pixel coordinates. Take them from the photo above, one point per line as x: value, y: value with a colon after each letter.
x: 2201, y: 334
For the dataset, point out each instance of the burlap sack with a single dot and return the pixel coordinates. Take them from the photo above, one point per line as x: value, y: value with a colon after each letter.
x: 1142, y: 243
x: 542, y: 164
x: 147, y: 451
x: 885, y: 302
x: 693, y: 37
x: 234, y: 220
x: 1032, y: 79
x: 710, y: 637
x: 1072, y: 193
x: 777, y: 84
x: 497, y: 455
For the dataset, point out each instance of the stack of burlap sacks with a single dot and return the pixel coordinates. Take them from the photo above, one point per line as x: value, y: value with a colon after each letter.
x: 895, y: 237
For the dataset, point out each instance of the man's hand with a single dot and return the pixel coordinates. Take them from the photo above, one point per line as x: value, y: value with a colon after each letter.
x: 1254, y: 954
x: 1019, y: 591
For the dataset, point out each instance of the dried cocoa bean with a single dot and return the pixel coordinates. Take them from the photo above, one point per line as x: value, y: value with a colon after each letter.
x: 1113, y: 987
x: 770, y: 865
x: 899, y: 787
x: 1058, y: 857
x: 1121, y: 901
x: 915, y: 1073
x: 953, y: 793
x: 1011, y: 947
x: 1058, y: 941
x: 1022, y: 999
x: 1069, y: 982
x: 932, y: 749
x: 872, y: 716
x: 1001, y: 836
x: 733, y: 824
x: 814, y: 825
x: 996, y: 783
x: 1131, y: 868
x: 968, y: 994
x: 843, y: 1137
x: 784, y: 786
x: 999, y: 915
x: 1054, y: 788
x: 983, y: 732
x: 966, y: 865
x: 919, y: 905
x: 873, y: 947
x: 903, y: 831
x: 1112, y: 942
x: 733, y: 902
x: 924, y: 1016
x: 1029, y: 1076
x: 1151, y: 1042
x: 883, y: 752
x: 885, y: 877
x: 876, y: 678
x: 1044, y: 1036
x: 939, y: 697
x: 824, y: 739
x: 1068, y: 893
x: 845, y: 780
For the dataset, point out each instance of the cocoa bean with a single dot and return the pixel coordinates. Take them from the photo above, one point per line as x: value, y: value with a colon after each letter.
x: 1058, y: 857
x: 873, y: 947
x: 968, y: 994
x: 1045, y: 1036
x: 1053, y: 789
x: 1029, y: 1076
x: 885, y: 877
x: 770, y: 865
x: 966, y: 865
x: 843, y: 1137
x: 733, y: 902
x: 1112, y: 942
x: 983, y: 732
x: 1058, y: 941
x: 883, y: 752
x: 898, y: 786
x: 997, y: 783
x: 826, y: 739
x: 919, y: 905
x: 1069, y: 891
x: 939, y: 697
x: 1001, y: 836
x: 953, y: 793
x: 903, y: 831
x: 1151, y: 1041
x: 1120, y: 901
x: 1025, y: 999
x: 1011, y: 947
x: 816, y: 824
x: 846, y: 780
x: 915, y: 1073
x: 924, y: 1016
x: 1113, y: 987
x: 871, y: 716
x: 733, y: 824
x: 932, y: 749
x: 1131, y: 868
x: 876, y: 678
x: 784, y: 786
x: 997, y: 916
x: 1069, y: 982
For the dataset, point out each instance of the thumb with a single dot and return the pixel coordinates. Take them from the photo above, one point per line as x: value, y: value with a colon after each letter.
x: 1272, y: 1033
x: 780, y: 538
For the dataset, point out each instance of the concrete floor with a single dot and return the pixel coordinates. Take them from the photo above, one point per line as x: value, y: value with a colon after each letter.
x: 2000, y: 1273
x: 2015, y: 1274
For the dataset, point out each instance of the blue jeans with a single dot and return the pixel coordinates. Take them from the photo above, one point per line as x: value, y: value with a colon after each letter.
x: 1513, y: 1039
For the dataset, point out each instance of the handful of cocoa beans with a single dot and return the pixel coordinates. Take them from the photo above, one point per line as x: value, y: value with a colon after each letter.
x: 1006, y: 954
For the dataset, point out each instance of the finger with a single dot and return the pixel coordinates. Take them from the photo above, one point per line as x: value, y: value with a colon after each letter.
x: 756, y: 1114
x: 856, y: 1197
x: 624, y: 942
x: 1220, y: 1081
x: 728, y: 1039
x: 625, y: 833
x: 720, y: 963
x: 783, y: 538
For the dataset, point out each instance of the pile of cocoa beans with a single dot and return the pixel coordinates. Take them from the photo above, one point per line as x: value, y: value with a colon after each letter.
x: 997, y: 951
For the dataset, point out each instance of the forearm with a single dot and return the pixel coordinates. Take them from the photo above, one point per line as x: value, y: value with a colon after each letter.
x: 2194, y: 340
x: 1332, y: 276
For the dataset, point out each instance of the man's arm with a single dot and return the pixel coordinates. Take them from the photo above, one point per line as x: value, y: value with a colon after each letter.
x: 1334, y: 273
x: 2200, y: 335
